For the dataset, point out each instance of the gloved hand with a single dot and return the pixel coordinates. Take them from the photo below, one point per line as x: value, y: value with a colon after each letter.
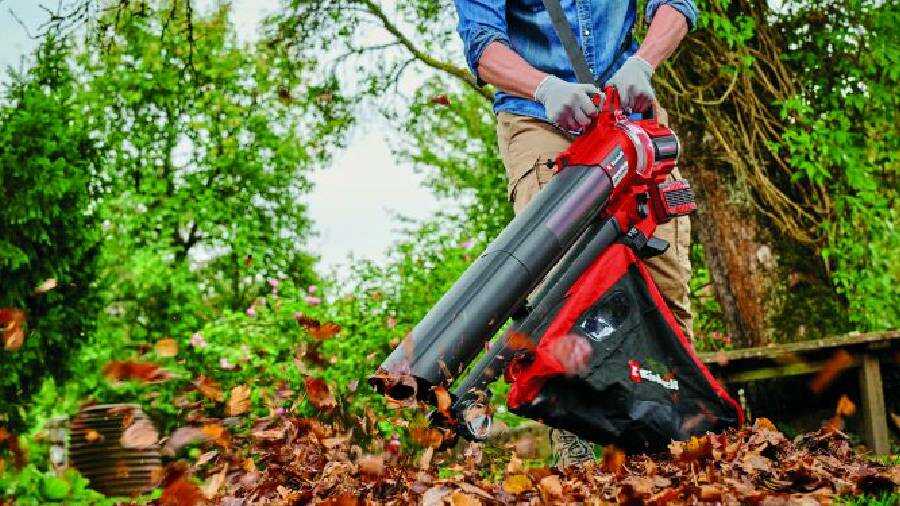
x: 567, y: 104
x: 632, y: 81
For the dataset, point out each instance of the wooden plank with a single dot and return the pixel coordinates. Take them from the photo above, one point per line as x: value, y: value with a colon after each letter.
x: 779, y: 371
x: 889, y: 338
x: 875, y: 427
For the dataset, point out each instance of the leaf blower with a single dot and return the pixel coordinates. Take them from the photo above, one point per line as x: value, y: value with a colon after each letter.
x: 594, y: 349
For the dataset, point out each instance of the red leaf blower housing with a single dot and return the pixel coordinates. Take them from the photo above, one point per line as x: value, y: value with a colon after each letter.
x: 594, y: 349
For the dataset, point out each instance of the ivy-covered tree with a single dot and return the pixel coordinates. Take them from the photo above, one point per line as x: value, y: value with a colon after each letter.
x: 48, y: 224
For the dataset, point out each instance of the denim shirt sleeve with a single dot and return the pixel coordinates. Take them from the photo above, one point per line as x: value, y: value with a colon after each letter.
x: 480, y: 23
x: 685, y: 7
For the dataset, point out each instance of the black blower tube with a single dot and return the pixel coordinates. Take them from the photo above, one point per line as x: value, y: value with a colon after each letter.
x: 495, y: 285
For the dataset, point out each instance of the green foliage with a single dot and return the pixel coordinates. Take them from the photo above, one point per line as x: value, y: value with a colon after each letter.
x: 33, y: 487
x: 206, y: 148
x: 843, y: 135
x: 47, y: 222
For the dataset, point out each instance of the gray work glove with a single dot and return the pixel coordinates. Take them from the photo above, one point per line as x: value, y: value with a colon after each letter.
x: 567, y: 104
x: 632, y: 81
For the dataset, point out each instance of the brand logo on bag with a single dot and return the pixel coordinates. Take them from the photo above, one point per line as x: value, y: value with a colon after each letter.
x: 638, y: 374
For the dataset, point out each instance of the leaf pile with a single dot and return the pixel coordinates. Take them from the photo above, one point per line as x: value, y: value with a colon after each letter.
x: 301, y: 461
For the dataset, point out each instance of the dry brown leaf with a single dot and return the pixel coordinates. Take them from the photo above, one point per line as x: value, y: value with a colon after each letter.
x: 442, y: 401
x: 319, y: 394
x: 835, y: 365
x: 214, y: 483
x: 551, y: 488
x: 166, y: 348
x: 458, y: 498
x: 613, y: 460
x: 845, y: 407
x: 140, y: 434
x: 143, y: 372
x: 239, y: 400
x: 92, y: 436
x: 12, y: 328
x: 519, y: 341
x: 516, y: 484
x: 181, y: 493
x: 372, y: 465
x: 209, y: 388
x: 182, y: 437
x: 217, y: 433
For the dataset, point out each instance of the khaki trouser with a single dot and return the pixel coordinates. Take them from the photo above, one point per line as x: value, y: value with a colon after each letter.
x: 525, y: 146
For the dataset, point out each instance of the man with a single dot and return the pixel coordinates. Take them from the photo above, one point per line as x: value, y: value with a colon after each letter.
x: 512, y: 45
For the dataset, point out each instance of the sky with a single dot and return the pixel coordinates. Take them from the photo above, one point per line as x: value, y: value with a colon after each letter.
x: 355, y: 201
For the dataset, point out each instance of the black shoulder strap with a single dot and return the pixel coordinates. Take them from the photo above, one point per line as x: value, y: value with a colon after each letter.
x: 569, y: 42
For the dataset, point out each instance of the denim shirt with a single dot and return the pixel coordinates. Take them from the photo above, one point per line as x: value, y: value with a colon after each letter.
x: 603, y: 28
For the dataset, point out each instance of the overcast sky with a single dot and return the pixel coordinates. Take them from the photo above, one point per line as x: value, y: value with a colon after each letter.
x: 354, y: 201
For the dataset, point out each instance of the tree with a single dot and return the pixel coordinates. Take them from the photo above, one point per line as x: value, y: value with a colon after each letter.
x: 48, y: 225
x: 208, y: 147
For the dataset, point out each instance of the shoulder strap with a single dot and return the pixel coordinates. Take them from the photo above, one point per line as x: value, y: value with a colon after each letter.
x: 570, y: 43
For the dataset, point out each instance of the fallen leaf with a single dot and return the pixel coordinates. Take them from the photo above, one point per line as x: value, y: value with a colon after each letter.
x: 319, y: 394
x: 143, y: 372
x: 166, y: 348
x: 516, y: 484
x: 440, y: 100
x: 550, y: 488
x: 181, y: 493
x: 239, y: 400
x: 613, y: 460
x: 12, y: 328
x: 209, y: 388
x: 92, y: 436
x: 182, y: 437
x: 325, y: 331
x: 372, y: 465
x: 140, y: 434
x: 458, y: 498
x: 214, y: 483
x: 217, y: 433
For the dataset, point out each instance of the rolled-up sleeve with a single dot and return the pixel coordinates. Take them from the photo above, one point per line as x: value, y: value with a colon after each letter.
x: 480, y: 23
x: 685, y: 7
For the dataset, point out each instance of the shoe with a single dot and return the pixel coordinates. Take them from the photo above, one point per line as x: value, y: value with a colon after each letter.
x: 568, y: 449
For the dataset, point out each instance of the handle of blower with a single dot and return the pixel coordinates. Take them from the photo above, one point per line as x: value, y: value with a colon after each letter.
x: 609, y: 101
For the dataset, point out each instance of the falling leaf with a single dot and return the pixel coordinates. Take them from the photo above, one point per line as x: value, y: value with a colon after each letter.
x: 613, y: 460
x: 92, y: 436
x: 519, y: 341
x: 239, y: 400
x: 896, y: 419
x: 573, y: 352
x: 835, y: 365
x: 325, y: 331
x: 181, y: 493
x: 845, y: 407
x: 442, y: 401
x: 144, y: 372
x: 12, y: 328
x: 440, y: 100
x: 140, y: 434
x: 166, y: 347
x: 319, y: 394
x: 516, y: 484
x: 209, y: 388
x: 46, y: 285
